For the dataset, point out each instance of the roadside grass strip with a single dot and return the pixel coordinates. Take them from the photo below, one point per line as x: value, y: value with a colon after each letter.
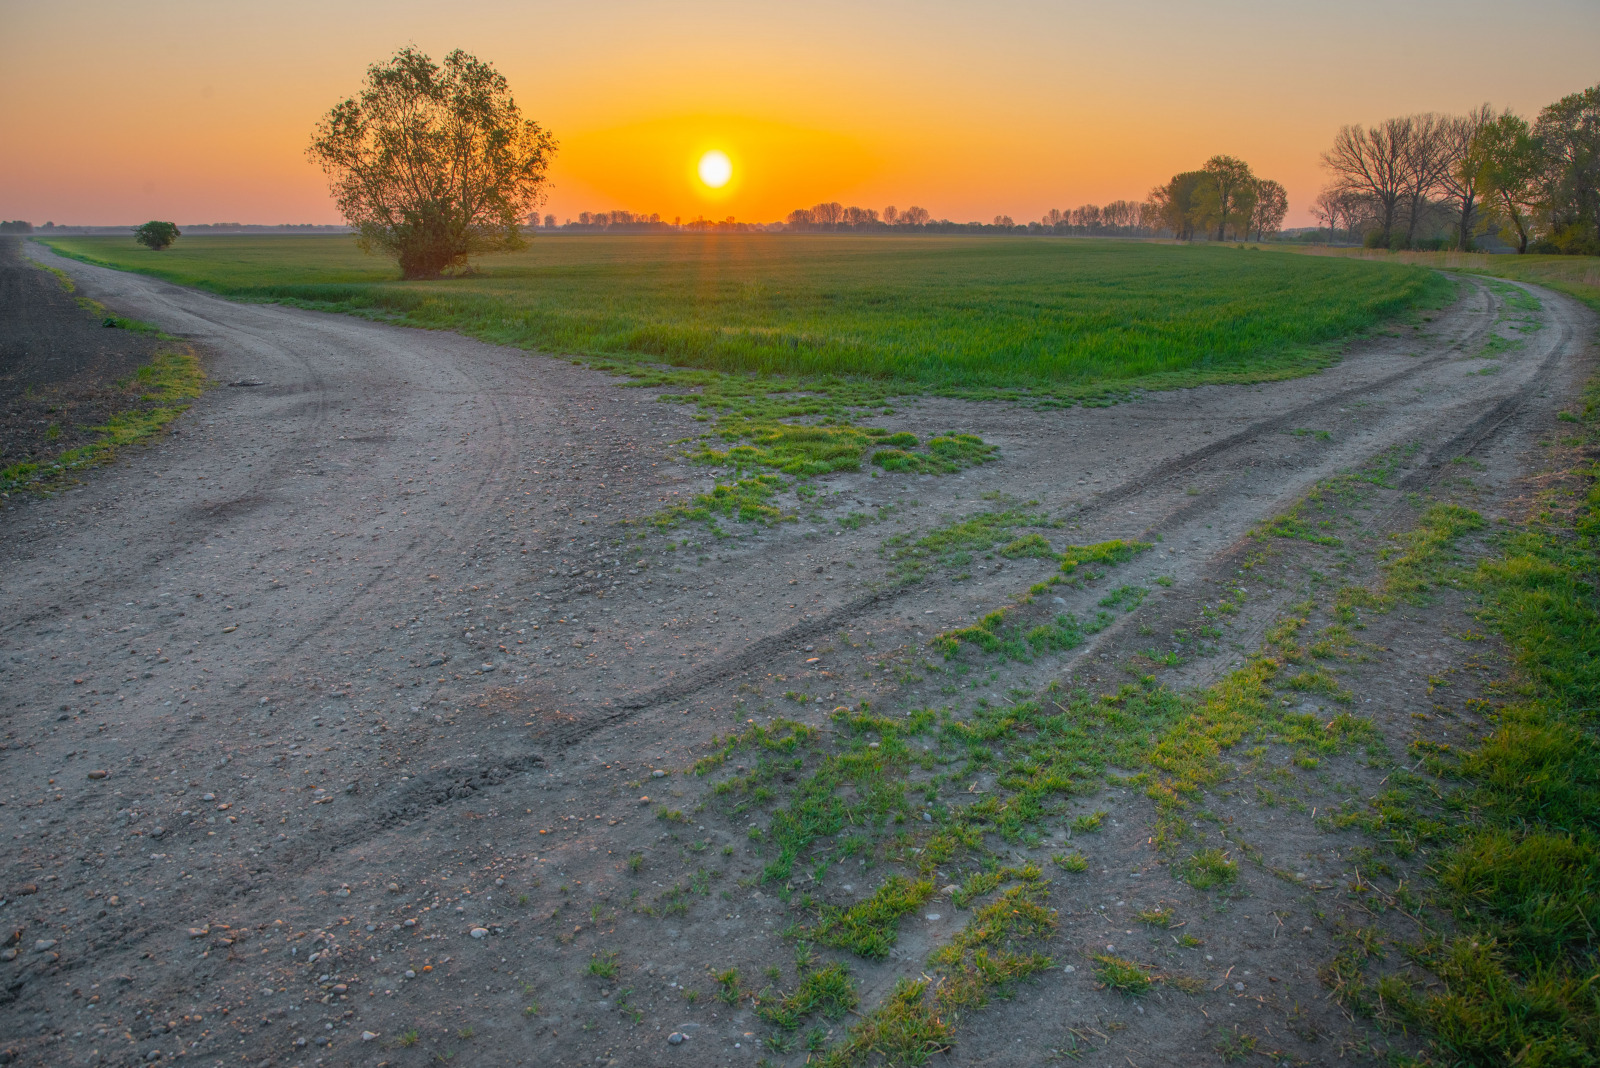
x: 1513, y: 822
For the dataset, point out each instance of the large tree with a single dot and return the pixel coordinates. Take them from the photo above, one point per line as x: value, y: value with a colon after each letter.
x: 1371, y: 162
x: 1509, y: 165
x: 1227, y: 199
x: 1459, y: 178
x: 433, y: 164
x: 1174, y: 203
x: 1568, y: 137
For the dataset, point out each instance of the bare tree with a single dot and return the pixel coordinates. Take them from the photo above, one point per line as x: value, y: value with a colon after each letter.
x: 1370, y: 161
x: 915, y: 216
x: 890, y: 214
x: 1271, y: 205
x: 828, y: 213
x: 1426, y: 160
x: 1459, y: 178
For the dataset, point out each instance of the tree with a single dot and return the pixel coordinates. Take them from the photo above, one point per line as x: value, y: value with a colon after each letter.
x: 827, y: 214
x: 1370, y: 162
x: 1230, y: 194
x: 1459, y: 178
x: 1270, y: 207
x: 156, y: 235
x: 433, y: 164
x: 1568, y: 136
x: 915, y: 216
x: 1424, y: 162
x: 890, y: 214
x: 1174, y: 203
x: 1508, y: 172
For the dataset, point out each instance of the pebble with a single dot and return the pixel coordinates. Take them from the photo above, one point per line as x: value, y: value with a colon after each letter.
x: 933, y: 917
x: 44, y: 944
x: 409, y: 923
x: 368, y: 1036
x: 480, y: 932
x: 1238, y: 988
x: 208, y: 797
x: 676, y: 1038
x: 658, y: 774
x: 644, y: 800
x: 199, y: 932
x: 267, y: 990
x: 8, y: 954
x: 98, y: 773
x: 1069, y: 969
x: 410, y: 974
x: 341, y: 988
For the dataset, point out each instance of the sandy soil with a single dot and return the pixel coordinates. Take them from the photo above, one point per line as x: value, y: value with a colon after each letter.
x: 349, y: 666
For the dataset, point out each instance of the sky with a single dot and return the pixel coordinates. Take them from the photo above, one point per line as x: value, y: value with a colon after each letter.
x: 118, y: 111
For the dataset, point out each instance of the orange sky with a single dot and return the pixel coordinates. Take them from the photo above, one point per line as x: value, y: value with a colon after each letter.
x: 200, y: 111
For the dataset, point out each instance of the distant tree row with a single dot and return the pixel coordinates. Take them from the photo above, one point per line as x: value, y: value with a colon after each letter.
x: 1433, y: 180
x: 16, y: 226
x: 1220, y: 200
x: 833, y: 216
x: 1122, y: 218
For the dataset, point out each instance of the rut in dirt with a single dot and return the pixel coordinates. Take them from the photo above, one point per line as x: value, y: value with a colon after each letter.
x: 373, y: 605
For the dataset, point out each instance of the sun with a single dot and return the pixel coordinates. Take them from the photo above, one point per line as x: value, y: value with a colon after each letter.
x: 715, y: 169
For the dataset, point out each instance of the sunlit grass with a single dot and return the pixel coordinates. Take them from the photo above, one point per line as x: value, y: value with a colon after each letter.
x: 934, y: 312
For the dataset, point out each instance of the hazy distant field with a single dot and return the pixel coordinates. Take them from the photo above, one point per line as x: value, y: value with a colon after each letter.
x: 940, y: 312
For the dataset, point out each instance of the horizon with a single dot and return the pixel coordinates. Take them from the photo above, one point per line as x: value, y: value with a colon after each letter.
x: 970, y: 114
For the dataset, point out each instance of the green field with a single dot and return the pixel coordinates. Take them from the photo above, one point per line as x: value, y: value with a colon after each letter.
x: 1059, y: 317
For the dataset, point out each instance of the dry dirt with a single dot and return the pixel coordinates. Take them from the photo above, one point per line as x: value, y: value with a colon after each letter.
x: 350, y: 665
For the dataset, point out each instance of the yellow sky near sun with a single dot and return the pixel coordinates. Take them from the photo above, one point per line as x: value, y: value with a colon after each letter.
x: 200, y: 110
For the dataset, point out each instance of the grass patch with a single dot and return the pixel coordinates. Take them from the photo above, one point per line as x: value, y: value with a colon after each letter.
x: 869, y: 929
x: 1209, y: 868
x: 1123, y: 976
x: 828, y: 990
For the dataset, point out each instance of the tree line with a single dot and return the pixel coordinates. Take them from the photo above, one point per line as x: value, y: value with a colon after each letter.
x: 1440, y: 181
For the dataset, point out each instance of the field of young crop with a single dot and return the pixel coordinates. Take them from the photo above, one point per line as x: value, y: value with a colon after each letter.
x: 938, y: 313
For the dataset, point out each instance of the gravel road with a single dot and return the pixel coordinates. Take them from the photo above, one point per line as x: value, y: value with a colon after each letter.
x: 351, y: 667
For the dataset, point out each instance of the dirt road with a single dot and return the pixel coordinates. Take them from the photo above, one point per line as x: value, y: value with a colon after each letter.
x: 330, y: 715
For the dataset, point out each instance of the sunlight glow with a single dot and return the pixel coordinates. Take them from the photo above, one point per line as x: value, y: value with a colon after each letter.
x: 715, y: 169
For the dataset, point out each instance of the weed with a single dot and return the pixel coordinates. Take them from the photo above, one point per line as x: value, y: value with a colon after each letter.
x: 1123, y: 976
x: 407, y: 1038
x: 603, y: 965
x: 1088, y: 823
x: 1208, y: 868
x: 1075, y: 862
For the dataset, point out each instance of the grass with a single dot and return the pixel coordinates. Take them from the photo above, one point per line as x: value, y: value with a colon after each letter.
x: 940, y: 313
x: 1123, y: 976
x: 828, y: 990
x: 868, y: 929
x: 1513, y: 821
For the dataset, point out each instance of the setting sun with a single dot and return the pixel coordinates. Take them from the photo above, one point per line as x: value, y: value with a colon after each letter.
x: 715, y: 169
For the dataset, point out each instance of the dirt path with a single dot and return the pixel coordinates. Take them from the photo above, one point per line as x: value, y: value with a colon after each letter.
x: 351, y: 666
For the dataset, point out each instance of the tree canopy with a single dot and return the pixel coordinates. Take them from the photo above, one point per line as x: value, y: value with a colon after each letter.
x: 156, y: 235
x: 433, y: 164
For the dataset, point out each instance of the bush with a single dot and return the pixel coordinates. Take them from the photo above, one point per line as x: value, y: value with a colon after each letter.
x: 156, y: 235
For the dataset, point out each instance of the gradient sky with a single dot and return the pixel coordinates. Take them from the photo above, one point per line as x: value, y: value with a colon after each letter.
x: 200, y: 110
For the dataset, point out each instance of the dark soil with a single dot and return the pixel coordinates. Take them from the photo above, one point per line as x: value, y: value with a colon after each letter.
x: 60, y: 367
